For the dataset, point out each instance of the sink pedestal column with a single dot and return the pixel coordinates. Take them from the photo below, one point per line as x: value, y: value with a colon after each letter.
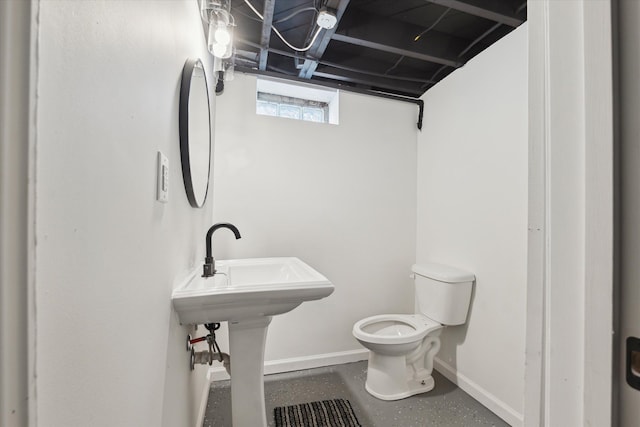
x: 246, y: 347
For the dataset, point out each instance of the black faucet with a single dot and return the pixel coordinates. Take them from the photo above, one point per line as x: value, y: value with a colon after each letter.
x: 209, y: 267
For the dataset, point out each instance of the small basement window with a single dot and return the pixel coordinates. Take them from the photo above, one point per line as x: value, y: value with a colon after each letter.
x: 296, y: 101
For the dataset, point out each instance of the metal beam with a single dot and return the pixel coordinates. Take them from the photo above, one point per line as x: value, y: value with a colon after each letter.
x: 316, y: 52
x: 495, y: 12
x: 393, y: 36
x: 265, y: 36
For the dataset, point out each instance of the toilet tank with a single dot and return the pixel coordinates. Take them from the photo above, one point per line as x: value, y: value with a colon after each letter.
x: 443, y: 293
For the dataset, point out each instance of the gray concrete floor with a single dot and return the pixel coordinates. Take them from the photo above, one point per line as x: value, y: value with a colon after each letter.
x: 446, y: 405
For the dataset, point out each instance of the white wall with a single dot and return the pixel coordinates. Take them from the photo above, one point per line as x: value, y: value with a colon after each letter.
x: 109, y: 350
x: 340, y: 197
x: 472, y: 213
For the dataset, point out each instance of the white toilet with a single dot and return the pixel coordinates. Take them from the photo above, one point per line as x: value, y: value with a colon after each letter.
x: 402, y: 346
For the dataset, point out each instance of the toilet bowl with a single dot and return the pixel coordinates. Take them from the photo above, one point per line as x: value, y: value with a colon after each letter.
x: 401, y: 350
x: 402, y: 346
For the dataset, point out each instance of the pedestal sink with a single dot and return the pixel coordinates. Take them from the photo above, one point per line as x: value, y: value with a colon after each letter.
x: 247, y: 293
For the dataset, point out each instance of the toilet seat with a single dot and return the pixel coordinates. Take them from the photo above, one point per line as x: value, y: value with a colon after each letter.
x: 394, y: 328
x: 401, y: 350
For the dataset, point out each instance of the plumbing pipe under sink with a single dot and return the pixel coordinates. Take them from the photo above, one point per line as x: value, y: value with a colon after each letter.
x: 206, y: 358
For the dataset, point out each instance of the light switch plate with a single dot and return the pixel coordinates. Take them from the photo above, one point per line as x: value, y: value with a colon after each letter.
x: 162, y: 194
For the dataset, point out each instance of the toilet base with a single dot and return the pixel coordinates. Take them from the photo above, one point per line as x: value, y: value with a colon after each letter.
x: 390, y: 378
x: 413, y: 387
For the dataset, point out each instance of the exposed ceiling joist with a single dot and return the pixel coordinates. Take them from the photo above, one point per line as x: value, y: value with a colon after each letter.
x: 363, y: 66
x: 265, y: 36
x: 359, y: 67
x: 388, y: 35
x: 246, y: 54
x: 396, y: 50
x: 272, y: 50
x: 351, y: 77
x: 377, y: 46
x: 317, y: 50
x: 497, y: 12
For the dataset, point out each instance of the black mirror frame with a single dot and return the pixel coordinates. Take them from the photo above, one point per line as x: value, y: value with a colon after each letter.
x: 185, y: 88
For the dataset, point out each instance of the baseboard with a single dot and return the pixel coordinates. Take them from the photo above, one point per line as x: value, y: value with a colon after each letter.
x: 487, y: 399
x: 218, y: 373
x: 204, y: 397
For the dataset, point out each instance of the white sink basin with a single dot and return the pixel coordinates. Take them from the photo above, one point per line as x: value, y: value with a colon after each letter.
x: 248, y: 288
x: 246, y: 293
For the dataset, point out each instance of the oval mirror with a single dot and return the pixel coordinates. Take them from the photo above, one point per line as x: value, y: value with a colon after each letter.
x: 195, y: 131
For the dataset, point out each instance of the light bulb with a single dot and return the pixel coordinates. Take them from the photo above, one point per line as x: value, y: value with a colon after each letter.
x: 222, y: 36
x: 219, y: 39
x: 219, y: 49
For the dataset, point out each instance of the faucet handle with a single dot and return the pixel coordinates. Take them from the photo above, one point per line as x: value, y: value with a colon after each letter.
x: 209, y: 267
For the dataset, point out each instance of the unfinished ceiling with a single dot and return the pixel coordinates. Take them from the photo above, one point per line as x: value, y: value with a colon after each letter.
x: 393, y: 47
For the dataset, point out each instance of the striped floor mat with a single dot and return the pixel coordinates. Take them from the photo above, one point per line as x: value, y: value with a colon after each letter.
x: 326, y: 413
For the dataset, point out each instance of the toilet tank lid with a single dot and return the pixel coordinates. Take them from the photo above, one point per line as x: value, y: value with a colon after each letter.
x: 443, y: 273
